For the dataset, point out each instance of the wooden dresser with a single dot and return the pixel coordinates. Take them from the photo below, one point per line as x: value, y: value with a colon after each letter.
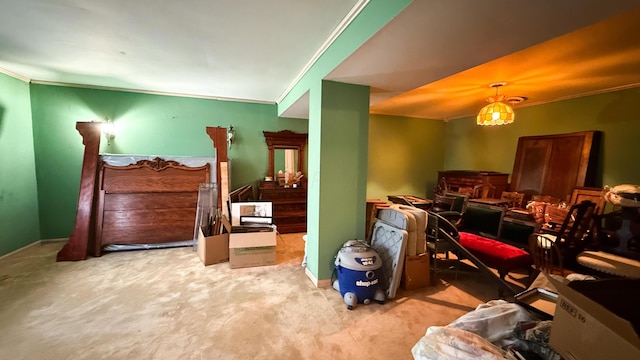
x: 465, y: 180
x: 289, y: 206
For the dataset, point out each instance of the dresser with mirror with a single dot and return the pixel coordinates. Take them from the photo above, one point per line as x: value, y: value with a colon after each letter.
x: 285, y: 183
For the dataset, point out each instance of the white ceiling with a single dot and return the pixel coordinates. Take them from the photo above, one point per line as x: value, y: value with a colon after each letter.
x: 236, y: 49
x: 434, y: 60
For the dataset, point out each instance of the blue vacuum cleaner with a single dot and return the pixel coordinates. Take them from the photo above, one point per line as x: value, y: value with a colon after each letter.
x: 359, y: 269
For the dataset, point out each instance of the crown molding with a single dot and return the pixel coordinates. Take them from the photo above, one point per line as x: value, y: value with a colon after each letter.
x: 353, y: 13
x: 151, y: 92
x: 14, y: 75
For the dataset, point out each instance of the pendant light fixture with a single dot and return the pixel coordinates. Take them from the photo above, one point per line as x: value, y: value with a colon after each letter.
x: 497, y: 112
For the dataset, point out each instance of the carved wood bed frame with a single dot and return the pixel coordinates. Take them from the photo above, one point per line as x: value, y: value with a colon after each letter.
x: 83, y: 240
x: 149, y: 202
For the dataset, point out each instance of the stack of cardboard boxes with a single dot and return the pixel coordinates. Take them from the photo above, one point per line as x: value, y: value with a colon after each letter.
x: 245, y: 245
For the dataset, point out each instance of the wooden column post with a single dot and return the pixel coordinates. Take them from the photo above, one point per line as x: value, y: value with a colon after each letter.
x: 76, y: 247
x: 218, y: 136
x: 270, y: 166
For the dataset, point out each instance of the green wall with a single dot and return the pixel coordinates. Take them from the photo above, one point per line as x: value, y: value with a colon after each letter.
x: 19, y: 223
x: 616, y: 114
x: 145, y: 124
x: 338, y: 136
x: 404, y: 156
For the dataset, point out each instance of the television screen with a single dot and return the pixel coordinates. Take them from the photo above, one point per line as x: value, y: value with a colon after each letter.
x: 260, y: 212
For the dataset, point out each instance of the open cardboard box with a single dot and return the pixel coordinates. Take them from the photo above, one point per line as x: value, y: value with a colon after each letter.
x: 584, y: 329
x: 214, y: 249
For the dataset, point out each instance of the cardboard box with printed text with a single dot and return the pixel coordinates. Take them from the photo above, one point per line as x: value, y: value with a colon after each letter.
x: 584, y: 329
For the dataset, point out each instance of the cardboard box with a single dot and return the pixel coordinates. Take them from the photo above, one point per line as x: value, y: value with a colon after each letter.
x: 584, y: 329
x: 214, y: 249
x: 252, y: 249
x: 416, y: 272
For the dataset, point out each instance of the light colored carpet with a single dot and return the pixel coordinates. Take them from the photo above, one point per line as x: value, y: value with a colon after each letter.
x: 164, y: 304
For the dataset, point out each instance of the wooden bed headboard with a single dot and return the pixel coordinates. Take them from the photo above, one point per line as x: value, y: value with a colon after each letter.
x: 149, y: 202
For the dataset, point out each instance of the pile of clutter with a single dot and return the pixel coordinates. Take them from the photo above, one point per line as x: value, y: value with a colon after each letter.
x: 373, y: 271
x: 287, y: 179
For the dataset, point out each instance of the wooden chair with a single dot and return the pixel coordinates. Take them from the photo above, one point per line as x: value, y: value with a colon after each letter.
x: 442, y: 203
x: 571, y: 237
x: 460, y: 202
x: 589, y: 193
x: 594, y: 195
x: 546, y: 255
x: 483, y: 191
x: 514, y: 199
x: 442, y: 187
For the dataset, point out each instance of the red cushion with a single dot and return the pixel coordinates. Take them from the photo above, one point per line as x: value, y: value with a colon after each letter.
x: 494, y: 253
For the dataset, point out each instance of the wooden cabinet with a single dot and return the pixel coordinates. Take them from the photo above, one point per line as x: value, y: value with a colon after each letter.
x: 289, y: 206
x: 464, y: 180
x: 554, y: 164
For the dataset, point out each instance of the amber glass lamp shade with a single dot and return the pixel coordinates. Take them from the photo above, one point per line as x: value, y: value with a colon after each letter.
x: 497, y: 112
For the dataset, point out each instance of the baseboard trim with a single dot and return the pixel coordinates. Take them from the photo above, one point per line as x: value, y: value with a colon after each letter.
x: 54, y: 240
x: 37, y: 242
x: 324, y: 283
x: 20, y: 249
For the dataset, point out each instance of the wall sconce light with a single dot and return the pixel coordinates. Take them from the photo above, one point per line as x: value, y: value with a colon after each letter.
x: 231, y: 135
x: 109, y: 130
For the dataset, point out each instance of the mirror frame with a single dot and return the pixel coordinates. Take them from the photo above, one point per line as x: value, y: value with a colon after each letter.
x: 285, y: 139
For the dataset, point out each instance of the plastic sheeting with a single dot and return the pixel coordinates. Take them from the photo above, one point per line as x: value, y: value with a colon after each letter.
x: 122, y: 247
x: 191, y: 161
x: 494, y: 320
x: 487, y: 333
x: 448, y: 343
